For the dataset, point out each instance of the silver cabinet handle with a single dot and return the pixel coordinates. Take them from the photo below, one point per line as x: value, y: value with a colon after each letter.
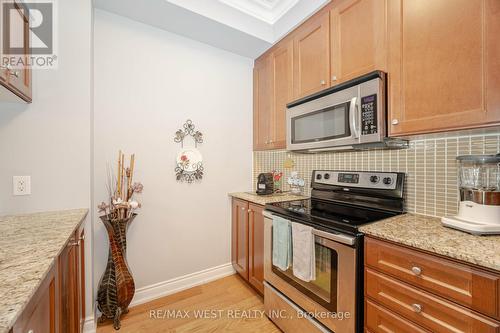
x: 73, y: 243
x: 416, y: 270
x: 323, y: 82
x: 417, y: 307
x: 271, y: 141
x: 395, y: 121
x: 334, y: 78
x: 249, y: 211
x: 31, y: 331
x: 242, y: 208
x: 82, y: 237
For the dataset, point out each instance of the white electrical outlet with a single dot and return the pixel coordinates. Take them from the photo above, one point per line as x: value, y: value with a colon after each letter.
x: 21, y: 185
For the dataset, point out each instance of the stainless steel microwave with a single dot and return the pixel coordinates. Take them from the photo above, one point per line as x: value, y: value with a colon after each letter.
x: 349, y: 116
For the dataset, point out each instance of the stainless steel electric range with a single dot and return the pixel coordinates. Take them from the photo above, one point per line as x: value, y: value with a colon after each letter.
x: 341, y: 201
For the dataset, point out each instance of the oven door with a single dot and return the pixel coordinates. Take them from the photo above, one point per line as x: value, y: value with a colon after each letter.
x: 333, y: 290
x: 332, y: 120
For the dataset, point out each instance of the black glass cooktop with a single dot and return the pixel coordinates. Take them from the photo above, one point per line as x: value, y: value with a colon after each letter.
x: 328, y: 215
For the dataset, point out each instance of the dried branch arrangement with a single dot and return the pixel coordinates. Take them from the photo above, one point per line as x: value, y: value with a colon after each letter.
x: 121, y: 190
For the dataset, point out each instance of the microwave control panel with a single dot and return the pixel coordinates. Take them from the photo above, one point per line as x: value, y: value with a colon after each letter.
x: 369, y: 120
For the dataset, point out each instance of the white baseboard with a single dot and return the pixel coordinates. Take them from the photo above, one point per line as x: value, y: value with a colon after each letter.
x: 161, y: 289
x: 90, y: 325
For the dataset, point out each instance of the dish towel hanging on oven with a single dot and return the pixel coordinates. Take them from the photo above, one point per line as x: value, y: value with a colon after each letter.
x: 282, y: 243
x: 304, y: 256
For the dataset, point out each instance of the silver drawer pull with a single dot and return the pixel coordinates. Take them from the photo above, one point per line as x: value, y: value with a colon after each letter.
x: 417, y: 307
x: 416, y: 270
x: 31, y: 331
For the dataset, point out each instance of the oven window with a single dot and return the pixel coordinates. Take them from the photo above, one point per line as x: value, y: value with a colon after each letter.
x: 323, y: 289
x: 321, y: 125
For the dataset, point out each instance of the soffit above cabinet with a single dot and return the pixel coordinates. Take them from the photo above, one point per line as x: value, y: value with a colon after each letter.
x: 244, y: 27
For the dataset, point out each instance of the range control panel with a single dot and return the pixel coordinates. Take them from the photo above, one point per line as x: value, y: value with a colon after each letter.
x: 369, y: 120
x: 374, y: 180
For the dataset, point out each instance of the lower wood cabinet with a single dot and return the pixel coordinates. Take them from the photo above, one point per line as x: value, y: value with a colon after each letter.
x: 58, y: 305
x: 247, y: 242
x: 407, y: 290
x: 41, y: 313
x: 72, y: 284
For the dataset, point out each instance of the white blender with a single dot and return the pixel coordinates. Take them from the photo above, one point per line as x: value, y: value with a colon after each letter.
x: 479, y: 186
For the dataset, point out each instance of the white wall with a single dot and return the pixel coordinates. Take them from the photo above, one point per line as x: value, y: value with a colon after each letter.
x: 50, y: 138
x: 147, y: 83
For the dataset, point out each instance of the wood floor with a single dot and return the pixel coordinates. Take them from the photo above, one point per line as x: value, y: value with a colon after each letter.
x: 232, y: 306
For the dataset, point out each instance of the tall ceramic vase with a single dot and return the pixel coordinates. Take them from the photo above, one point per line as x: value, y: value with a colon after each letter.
x: 116, y: 287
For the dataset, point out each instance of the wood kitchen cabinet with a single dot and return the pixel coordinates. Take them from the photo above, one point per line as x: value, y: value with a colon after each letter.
x: 311, y: 54
x: 72, y: 284
x: 41, y: 313
x: 239, y: 239
x: 247, y: 243
x: 443, y: 65
x: 15, y: 81
x: 256, y: 247
x: 273, y: 89
x: 263, y: 103
x: 358, y: 38
x: 407, y: 290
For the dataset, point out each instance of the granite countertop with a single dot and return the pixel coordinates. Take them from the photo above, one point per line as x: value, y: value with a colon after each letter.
x: 28, y: 246
x: 427, y: 233
x: 265, y: 199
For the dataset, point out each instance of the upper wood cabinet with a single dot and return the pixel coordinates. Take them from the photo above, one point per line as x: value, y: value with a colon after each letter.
x: 311, y: 48
x: 16, y: 81
x: 262, y: 103
x: 273, y: 89
x: 443, y: 65
x: 282, y: 62
x: 358, y: 38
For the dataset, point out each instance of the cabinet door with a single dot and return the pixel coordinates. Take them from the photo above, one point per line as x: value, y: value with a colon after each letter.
x: 256, y: 247
x: 81, y: 276
x: 239, y: 242
x: 40, y: 314
x: 19, y: 79
x: 312, y: 56
x: 358, y: 38
x: 68, y: 276
x: 282, y: 59
x: 438, y: 64
x: 263, y: 103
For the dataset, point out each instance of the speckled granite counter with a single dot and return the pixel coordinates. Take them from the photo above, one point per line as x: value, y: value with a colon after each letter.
x: 265, y: 199
x: 28, y: 246
x: 427, y: 233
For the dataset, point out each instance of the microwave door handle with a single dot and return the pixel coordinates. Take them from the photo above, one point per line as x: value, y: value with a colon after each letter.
x: 353, y: 114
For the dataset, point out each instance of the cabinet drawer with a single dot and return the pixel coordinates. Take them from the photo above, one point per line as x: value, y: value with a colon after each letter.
x: 285, y: 314
x: 431, y: 312
x: 462, y: 284
x: 380, y: 320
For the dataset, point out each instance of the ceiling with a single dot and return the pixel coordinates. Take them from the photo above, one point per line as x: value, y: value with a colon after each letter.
x: 268, y: 11
x: 244, y: 27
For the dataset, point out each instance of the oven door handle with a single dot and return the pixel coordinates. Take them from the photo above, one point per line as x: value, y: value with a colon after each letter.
x: 353, y: 115
x: 339, y: 238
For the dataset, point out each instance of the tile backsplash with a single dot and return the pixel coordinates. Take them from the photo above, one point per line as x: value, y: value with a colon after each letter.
x: 429, y: 164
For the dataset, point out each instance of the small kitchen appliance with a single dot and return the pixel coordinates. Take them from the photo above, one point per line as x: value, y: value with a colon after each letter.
x: 349, y: 116
x: 479, y: 187
x: 341, y: 201
x: 265, y: 184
